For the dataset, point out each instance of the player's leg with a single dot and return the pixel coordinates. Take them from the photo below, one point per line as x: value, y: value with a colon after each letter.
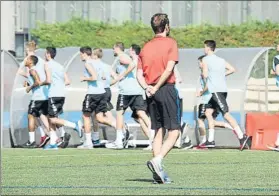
x: 44, y: 123
x: 202, y: 130
x: 275, y: 147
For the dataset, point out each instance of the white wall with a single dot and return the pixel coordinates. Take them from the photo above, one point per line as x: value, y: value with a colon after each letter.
x: 7, y: 25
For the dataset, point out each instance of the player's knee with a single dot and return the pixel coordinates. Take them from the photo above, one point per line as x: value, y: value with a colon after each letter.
x: 208, y: 113
x: 52, y: 120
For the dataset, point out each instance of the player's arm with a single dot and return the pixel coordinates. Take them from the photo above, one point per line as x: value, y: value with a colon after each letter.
x: 36, y: 78
x: 205, y: 86
x: 172, y: 61
x: 91, y: 71
x: 126, y: 60
x: 229, y: 69
x: 67, y: 79
x: 177, y: 75
x: 140, y: 76
x: 48, y: 76
x: 114, y: 77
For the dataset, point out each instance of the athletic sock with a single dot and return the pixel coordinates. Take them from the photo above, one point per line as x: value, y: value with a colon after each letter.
x: 151, y: 136
x: 238, y: 132
x: 53, y: 137
x: 158, y: 159
x: 119, y: 136
x: 187, y: 139
x: 88, y: 140
x: 69, y: 124
x: 31, y: 137
x: 62, y: 131
x: 202, y: 139
x: 95, y: 136
x: 40, y: 128
x: 211, y: 135
x: 228, y: 126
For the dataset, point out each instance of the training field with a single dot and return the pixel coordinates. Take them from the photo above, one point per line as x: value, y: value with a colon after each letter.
x: 115, y: 172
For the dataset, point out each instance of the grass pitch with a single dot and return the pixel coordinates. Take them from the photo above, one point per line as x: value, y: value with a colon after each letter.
x: 124, y: 172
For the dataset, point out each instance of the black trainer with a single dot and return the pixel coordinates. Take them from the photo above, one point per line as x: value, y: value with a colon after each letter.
x: 28, y: 144
x: 243, y: 141
x: 127, y: 136
x: 65, y: 141
x: 186, y: 146
x: 210, y: 144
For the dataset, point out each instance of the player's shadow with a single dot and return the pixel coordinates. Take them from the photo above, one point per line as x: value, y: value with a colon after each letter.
x: 139, y: 180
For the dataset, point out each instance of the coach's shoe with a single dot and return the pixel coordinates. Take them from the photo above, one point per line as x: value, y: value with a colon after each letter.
x: 78, y: 128
x: 44, y: 141
x: 148, y: 148
x: 114, y: 145
x: 276, y: 148
x: 243, y: 141
x: 186, y: 146
x: 96, y: 143
x: 51, y: 147
x: 85, y: 146
x: 210, y: 144
x: 65, y: 141
x: 157, y: 170
x: 28, y: 144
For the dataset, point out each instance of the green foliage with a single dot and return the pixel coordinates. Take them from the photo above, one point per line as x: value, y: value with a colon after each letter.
x: 79, y: 32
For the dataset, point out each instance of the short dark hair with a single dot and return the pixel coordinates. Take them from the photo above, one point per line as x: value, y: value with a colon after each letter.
x: 201, y: 57
x: 34, y: 59
x: 159, y: 22
x: 51, y: 51
x: 120, y: 45
x: 211, y: 44
x: 86, y: 49
x: 136, y: 48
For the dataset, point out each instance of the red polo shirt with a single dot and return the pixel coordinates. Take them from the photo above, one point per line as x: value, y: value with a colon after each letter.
x: 154, y: 58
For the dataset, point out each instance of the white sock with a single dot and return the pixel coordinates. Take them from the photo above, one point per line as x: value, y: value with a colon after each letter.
x: 113, y: 124
x: 88, y: 140
x: 119, y: 136
x: 277, y: 141
x: 211, y: 135
x: 238, y: 132
x: 53, y: 137
x: 31, y: 137
x: 202, y: 139
x: 40, y: 128
x: 187, y: 139
x: 151, y: 135
x: 158, y: 158
x: 69, y: 124
x: 62, y: 131
x: 95, y: 136
x: 228, y: 126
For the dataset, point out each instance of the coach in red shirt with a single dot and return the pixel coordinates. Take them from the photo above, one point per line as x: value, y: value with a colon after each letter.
x: 156, y: 75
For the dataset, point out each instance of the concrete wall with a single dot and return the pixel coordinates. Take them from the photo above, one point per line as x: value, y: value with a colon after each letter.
x: 7, y: 25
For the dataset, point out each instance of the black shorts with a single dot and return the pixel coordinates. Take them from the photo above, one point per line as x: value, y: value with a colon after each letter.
x: 164, y: 108
x: 218, y: 102
x: 108, y: 99
x: 94, y: 103
x: 36, y: 108
x: 135, y: 102
x: 134, y: 113
x: 55, y: 106
x: 202, y: 109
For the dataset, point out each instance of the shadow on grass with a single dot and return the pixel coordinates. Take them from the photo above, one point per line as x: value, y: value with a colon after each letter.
x: 140, y: 180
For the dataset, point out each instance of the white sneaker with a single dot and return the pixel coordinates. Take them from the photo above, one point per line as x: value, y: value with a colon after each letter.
x: 178, y: 141
x: 148, y: 148
x: 85, y: 146
x: 114, y: 145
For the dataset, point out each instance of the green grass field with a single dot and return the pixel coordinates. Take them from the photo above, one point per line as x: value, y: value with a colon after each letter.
x: 117, y: 172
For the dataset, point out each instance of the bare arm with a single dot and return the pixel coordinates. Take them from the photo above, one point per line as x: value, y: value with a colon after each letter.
x: 114, y: 76
x: 141, y: 79
x: 166, y: 74
x: 48, y: 76
x: 177, y: 75
x: 67, y: 80
x: 205, y: 87
x: 229, y: 69
x: 92, y: 72
x: 36, y: 78
x: 126, y: 61
x: 204, y: 70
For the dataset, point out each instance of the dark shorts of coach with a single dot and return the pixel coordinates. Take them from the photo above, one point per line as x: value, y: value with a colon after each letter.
x: 108, y: 99
x: 164, y: 108
x: 135, y: 102
x: 219, y: 103
x: 94, y: 103
x: 202, y: 109
x: 55, y: 106
x: 36, y: 108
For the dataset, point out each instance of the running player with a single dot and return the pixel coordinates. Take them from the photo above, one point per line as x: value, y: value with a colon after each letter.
x: 275, y: 71
x: 215, y: 70
x: 95, y: 99
x: 24, y: 71
x: 130, y: 95
x: 204, y: 109
x: 155, y: 74
x: 58, y: 79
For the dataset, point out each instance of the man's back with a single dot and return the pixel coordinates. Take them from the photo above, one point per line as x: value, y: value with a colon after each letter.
x: 216, y: 73
x: 57, y: 86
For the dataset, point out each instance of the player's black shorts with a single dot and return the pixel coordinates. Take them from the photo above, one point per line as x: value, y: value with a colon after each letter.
x: 108, y: 99
x: 36, y: 108
x: 134, y: 113
x: 218, y: 102
x: 202, y: 109
x: 94, y: 103
x: 55, y: 106
x: 164, y: 108
x: 135, y: 102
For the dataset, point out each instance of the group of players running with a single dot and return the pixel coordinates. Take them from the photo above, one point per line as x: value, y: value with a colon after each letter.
x: 148, y: 83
